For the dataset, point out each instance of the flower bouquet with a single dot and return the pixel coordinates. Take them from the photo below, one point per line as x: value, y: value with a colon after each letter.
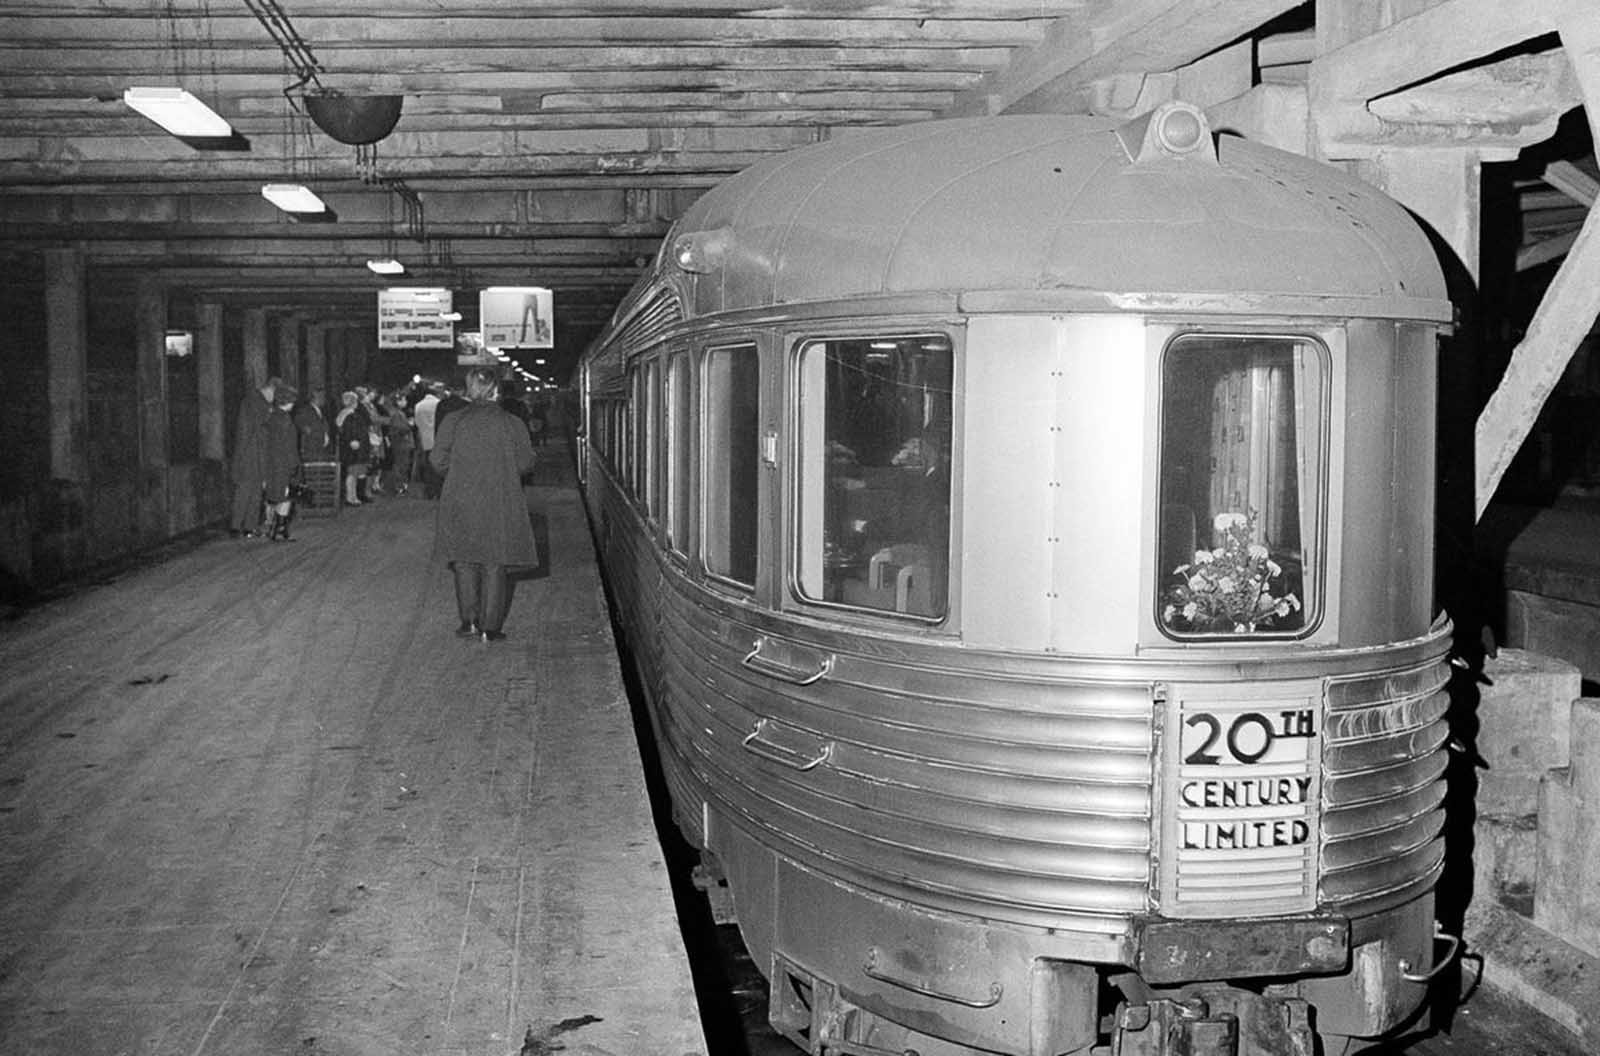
x: 1232, y: 589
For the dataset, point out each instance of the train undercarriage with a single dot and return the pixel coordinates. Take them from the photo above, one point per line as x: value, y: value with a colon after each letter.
x: 913, y: 995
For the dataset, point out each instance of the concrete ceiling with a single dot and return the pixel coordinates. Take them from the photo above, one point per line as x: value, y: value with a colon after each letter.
x: 539, y: 143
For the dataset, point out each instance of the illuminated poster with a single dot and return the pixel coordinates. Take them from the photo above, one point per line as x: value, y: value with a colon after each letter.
x: 415, y: 317
x: 517, y: 317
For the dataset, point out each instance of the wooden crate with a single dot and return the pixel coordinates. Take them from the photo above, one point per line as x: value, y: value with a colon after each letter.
x: 326, y: 497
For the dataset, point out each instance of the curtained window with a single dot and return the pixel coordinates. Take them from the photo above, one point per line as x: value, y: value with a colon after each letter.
x: 1242, y: 484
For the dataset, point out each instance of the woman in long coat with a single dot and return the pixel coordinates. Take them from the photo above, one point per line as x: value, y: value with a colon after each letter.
x: 483, y: 525
x: 282, y: 462
x: 249, y: 466
x: 354, y: 450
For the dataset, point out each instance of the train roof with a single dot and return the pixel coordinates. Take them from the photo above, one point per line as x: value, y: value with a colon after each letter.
x: 1155, y: 214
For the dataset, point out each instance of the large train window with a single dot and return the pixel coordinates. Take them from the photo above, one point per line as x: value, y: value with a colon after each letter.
x: 631, y: 430
x: 1242, y: 485
x: 650, y: 441
x: 732, y: 456
x: 653, y: 444
x: 874, y: 487
x: 677, y: 460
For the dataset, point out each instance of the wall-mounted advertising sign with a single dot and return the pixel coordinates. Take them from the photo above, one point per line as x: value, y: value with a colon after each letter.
x: 415, y: 317
x: 517, y: 317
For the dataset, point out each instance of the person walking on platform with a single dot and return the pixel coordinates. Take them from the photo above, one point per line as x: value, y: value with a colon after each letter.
x: 249, y: 464
x: 282, y: 463
x: 482, y: 525
x: 399, y: 436
x: 377, y: 448
x: 424, y: 416
x: 354, y: 448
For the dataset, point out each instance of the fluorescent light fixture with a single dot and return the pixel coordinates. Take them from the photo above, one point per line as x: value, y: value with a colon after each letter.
x: 450, y: 317
x: 178, y: 112
x: 386, y: 266
x: 293, y: 198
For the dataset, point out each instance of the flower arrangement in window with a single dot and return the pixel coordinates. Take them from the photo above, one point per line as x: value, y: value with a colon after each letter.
x: 1232, y: 589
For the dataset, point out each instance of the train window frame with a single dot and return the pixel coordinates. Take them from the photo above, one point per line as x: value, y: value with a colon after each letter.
x: 1239, y: 547
x: 678, y: 461
x: 630, y: 431
x: 655, y: 444
x: 722, y: 550
x: 884, y: 584
x: 651, y: 442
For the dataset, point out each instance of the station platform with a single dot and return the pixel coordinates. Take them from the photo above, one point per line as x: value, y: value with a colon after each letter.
x: 258, y: 798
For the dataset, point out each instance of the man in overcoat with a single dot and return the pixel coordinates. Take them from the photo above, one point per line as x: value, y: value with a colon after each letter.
x: 249, y: 465
x: 483, y: 525
x: 311, y: 419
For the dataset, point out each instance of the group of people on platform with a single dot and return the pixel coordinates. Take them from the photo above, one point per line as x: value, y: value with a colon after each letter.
x: 380, y: 442
x: 471, y: 449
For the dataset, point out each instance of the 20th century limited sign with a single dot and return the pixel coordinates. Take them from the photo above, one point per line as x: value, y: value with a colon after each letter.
x: 1243, y: 802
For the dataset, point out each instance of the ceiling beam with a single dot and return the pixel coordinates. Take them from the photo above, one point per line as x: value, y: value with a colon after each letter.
x: 1572, y: 181
x: 88, y: 82
x: 1111, y: 37
x: 1411, y: 51
x: 422, y: 64
x: 32, y: 117
x: 893, y: 11
x: 520, y: 26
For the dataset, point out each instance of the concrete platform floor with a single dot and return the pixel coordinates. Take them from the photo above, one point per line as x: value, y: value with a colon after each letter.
x: 260, y: 799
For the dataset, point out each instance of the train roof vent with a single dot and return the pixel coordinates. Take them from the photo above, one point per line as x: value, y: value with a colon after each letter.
x: 1171, y: 130
x: 645, y: 326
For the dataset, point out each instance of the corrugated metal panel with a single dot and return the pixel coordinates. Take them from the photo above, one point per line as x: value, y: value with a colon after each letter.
x: 1022, y: 801
x: 1383, y: 785
x: 644, y: 326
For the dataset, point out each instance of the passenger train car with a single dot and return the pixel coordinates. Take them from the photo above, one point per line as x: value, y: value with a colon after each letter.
x: 1022, y: 528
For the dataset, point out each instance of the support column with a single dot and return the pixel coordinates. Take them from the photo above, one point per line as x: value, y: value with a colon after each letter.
x: 316, y: 358
x: 255, y: 348
x: 150, y: 379
x: 67, y: 340
x: 338, y: 365
x: 356, y: 350
x: 208, y: 373
x: 151, y: 373
x: 289, y: 350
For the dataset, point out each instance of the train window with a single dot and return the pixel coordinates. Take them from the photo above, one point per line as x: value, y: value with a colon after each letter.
x: 677, y: 461
x: 652, y: 439
x: 732, y: 458
x: 874, y: 501
x: 1242, y: 482
x: 631, y: 430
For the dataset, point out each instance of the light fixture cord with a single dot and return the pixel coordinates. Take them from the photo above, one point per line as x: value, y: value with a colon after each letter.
x: 294, y: 47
